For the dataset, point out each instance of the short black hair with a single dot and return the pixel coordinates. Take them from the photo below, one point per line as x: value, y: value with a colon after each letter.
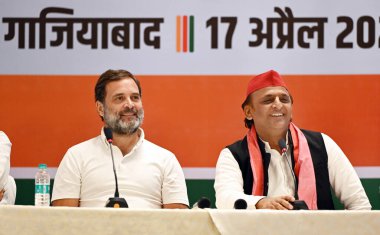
x: 248, y: 123
x: 110, y: 76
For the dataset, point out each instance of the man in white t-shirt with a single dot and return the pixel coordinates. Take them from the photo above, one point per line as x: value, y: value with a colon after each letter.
x: 148, y: 176
x: 7, y: 183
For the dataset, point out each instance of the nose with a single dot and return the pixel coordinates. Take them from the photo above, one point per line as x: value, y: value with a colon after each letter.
x: 277, y: 104
x: 128, y: 103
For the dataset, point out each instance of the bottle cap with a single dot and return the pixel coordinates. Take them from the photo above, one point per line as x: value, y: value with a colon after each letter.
x: 42, y: 166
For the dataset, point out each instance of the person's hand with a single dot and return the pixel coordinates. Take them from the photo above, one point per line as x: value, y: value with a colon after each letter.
x: 275, y: 203
x: 2, y: 194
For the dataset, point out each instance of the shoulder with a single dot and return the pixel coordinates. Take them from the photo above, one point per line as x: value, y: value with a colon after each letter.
x: 331, y: 145
x: 226, y: 157
x: 4, y: 138
x: 327, y: 139
x: 319, y: 136
x: 313, y: 138
x: 239, y: 150
x: 79, y: 155
x: 238, y: 143
x: 311, y: 134
x: 154, y: 154
x: 86, y: 149
x: 87, y: 145
x: 156, y: 150
x: 225, y: 152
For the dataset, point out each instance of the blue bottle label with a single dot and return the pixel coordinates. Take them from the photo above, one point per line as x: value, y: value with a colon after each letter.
x: 42, y: 188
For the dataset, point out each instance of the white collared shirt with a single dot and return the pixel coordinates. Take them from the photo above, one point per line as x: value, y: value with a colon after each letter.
x: 148, y: 176
x: 342, y: 176
x: 281, y: 181
x: 6, y: 181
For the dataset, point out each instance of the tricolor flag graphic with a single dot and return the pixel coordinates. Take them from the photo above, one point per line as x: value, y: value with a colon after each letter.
x: 185, y: 33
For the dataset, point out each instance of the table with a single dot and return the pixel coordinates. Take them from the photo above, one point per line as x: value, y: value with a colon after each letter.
x: 19, y: 220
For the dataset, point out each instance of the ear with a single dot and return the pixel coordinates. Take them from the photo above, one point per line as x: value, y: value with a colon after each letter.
x: 248, y: 112
x: 100, y: 108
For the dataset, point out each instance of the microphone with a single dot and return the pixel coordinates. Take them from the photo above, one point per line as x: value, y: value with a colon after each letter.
x: 282, y: 145
x: 297, y: 204
x: 116, y: 201
x: 202, y: 203
x: 240, y: 204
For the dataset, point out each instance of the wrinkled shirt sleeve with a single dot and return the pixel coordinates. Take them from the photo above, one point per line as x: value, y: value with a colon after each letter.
x: 5, y: 152
x: 229, y: 183
x: 9, y: 197
x: 343, y: 178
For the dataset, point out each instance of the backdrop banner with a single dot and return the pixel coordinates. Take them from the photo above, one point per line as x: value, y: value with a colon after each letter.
x: 194, y: 59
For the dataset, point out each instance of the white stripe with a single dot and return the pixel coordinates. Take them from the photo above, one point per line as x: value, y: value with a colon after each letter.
x: 191, y: 173
x: 364, y: 172
x: 197, y: 173
x: 367, y: 172
x: 236, y: 60
x: 29, y: 172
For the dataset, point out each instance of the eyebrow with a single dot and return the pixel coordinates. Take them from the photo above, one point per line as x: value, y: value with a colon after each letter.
x: 274, y: 95
x: 136, y: 93
x: 122, y: 94
x: 118, y: 94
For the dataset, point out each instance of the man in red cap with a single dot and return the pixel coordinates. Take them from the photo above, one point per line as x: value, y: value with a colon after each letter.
x: 277, y: 163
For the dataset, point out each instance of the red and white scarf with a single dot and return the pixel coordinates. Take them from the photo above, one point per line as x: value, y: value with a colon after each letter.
x: 303, y: 169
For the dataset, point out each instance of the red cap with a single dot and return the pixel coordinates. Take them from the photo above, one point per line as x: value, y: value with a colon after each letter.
x: 270, y: 78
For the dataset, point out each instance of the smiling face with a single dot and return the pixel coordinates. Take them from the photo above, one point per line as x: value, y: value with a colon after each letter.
x: 271, y: 110
x: 122, y: 108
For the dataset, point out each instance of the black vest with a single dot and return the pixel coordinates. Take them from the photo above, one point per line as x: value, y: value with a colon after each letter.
x: 319, y: 157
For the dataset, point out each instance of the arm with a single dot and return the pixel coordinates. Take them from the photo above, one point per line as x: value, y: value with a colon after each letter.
x: 343, y: 178
x: 175, y: 206
x: 229, y: 183
x: 66, y: 202
x: 229, y: 187
x: 8, y: 195
x: 174, y: 191
x: 5, y: 151
x: 7, y: 183
x: 67, y: 183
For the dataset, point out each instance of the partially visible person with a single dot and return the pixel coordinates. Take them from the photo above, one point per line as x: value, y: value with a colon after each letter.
x: 7, y: 183
x: 149, y: 176
x: 260, y: 170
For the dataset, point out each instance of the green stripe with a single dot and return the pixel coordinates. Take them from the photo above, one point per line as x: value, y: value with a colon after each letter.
x: 191, y: 34
x: 372, y: 188
x: 195, y: 190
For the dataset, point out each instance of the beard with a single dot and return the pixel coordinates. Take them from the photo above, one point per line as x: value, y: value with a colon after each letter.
x: 117, y: 125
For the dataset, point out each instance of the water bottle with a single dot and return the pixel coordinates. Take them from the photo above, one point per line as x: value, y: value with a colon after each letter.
x: 42, y: 187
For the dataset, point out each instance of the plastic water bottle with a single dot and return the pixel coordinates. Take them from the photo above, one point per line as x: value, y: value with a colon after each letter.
x: 42, y: 187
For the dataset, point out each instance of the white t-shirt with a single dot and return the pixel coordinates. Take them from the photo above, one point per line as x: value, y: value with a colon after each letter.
x: 148, y: 177
x: 342, y: 176
x: 6, y: 181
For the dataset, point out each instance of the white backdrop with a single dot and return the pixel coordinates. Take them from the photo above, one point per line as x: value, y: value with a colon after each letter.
x: 239, y: 59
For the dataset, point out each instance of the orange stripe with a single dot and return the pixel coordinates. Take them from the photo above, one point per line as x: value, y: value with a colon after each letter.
x: 192, y: 116
x: 184, y: 33
x: 178, y: 35
x: 345, y: 107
